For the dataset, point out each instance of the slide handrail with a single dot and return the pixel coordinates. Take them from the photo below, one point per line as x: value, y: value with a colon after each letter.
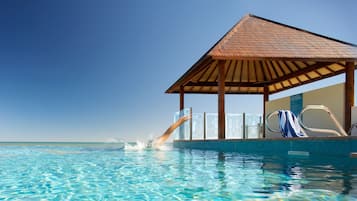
x: 322, y: 130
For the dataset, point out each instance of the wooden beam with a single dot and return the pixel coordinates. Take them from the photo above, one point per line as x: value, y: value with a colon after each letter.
x: 301, y: 71
x: 267, y: 66
x: 311, y: 80
x: 349, y: 93
x: 234, y: 71
x: 227, y: 67
x: 287, y: 66
x: 255, y: 71
x: 228, y: 92
x: 196, y: 68
x: 203, y: 73
x: 260, y: 85
x: 182, y: 97
x: 265, y: 99
x: 221, y: 104
x: 241, y: 72
x: 248, y: 71
x: 228, y: 84
x: 273, y: 69
x: 253, y: 58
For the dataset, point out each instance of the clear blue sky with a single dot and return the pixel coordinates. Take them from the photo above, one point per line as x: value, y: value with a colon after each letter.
x: 83, y: 70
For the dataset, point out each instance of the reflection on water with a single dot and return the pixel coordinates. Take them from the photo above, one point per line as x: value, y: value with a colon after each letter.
x: 314, y: 174
x: 110, y: 171
x: 220, y: 168
x: 237, y: 176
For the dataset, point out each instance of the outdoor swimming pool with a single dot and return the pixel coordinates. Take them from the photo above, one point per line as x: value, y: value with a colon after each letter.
x: 58, y: 171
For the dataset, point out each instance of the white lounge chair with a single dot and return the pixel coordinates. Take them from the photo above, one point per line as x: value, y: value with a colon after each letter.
x: 292, y: 126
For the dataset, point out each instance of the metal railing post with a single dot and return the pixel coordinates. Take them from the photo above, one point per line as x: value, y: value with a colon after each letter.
x: 243, y: 125
x: 181, y: 128
x: 191, y: 123
x: 260, y: 134
x: 204, y: 125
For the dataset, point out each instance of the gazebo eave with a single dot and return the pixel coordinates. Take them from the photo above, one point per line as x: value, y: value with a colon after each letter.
x: 186, y: 79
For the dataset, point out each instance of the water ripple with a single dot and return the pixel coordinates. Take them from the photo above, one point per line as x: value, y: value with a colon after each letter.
x: 107, y: 172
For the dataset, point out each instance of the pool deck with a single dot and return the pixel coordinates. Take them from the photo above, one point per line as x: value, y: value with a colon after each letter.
x: 332, y: 146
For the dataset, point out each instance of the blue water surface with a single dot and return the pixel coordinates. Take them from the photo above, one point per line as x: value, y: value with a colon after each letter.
x: 59, y: 171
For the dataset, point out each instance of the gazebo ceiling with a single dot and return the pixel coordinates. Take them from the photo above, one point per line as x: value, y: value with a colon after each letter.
x: 258, y: 53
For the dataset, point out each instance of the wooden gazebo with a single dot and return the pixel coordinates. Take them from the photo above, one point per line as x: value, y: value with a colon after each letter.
x: 260, y: 56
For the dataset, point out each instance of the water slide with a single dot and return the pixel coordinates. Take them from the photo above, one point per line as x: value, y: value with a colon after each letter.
x: 161, y: 140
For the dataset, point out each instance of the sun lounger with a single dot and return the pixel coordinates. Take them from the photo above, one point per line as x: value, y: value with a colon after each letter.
x: 292, y: 126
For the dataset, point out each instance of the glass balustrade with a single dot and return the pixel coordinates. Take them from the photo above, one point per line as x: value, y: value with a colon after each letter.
x: 204, y: 126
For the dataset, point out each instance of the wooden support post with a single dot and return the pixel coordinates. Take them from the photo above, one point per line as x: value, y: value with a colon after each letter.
x: 349, y: 93
x: 265, y: 99
x: 182, y: 98
x: 221, y: 104
x: 181, y: 113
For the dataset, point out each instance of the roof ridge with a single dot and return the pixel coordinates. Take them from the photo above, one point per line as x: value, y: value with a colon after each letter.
x: 303, y: 30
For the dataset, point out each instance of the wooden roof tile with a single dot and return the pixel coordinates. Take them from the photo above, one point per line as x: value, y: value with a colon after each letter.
x: 258, y: 38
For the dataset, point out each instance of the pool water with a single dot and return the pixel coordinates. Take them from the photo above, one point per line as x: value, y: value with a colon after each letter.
x: 43, y: 171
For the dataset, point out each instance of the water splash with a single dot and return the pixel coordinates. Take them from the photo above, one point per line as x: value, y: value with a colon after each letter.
x: 164, y: 147
x: 149, y: 145
x: 138, y: 146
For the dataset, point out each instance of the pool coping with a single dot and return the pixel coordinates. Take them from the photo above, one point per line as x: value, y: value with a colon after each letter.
x: 333, y: 146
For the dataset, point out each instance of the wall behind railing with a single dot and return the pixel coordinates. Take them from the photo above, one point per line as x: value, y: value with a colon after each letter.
x: 204, y: 126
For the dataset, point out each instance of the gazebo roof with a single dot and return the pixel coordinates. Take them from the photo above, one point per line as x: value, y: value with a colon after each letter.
x: 258, y: 52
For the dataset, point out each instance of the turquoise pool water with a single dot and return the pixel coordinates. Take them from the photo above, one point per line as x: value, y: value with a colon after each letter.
x: 111, y: 172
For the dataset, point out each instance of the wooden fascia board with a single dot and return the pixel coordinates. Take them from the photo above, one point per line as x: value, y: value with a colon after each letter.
x: 262, y: 58
x: 227, y: 92
x: 197, y: 67
x: 227, y: 84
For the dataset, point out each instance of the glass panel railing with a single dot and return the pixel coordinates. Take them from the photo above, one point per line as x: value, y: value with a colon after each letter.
x: 253, y: 124
x: 183, y: 132
x: 234, y: 126
x: 211, y: 126
x: 206, y: 125
x: 197, y: 126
